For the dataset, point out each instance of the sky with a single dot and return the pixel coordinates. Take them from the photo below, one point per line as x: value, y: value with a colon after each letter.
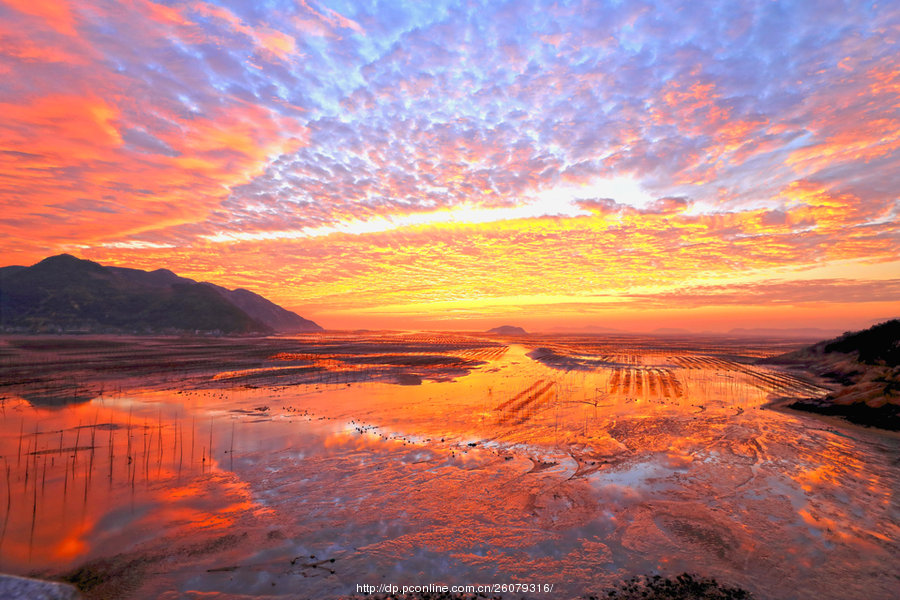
x: 461, y: 165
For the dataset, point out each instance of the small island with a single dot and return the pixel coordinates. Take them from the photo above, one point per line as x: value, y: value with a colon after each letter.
x: 508, y: 330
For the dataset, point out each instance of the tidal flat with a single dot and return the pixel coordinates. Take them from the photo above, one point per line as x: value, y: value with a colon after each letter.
x: 305, y: 467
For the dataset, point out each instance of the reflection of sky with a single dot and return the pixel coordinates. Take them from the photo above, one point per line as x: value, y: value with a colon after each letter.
x: 486, y: 477
x: 466, y: 153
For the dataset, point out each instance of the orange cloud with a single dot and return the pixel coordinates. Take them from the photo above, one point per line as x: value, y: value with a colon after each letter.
x: 56, y: 14
x: 266, y: 38
x: 165, y: 14
x: 66, y: 165
x: 14, y: 43
x: 694, y: 106
x: 867, y: 141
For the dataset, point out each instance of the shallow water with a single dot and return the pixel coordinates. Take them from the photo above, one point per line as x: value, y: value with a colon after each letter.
x: 565, y: 461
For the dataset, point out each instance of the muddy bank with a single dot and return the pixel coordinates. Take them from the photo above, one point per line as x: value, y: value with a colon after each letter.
x: 59, y: 370
x: 886, y: 416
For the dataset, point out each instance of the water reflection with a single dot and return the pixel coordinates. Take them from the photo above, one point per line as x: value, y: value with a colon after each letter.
x: 76, y: 475
x: 570, y: 460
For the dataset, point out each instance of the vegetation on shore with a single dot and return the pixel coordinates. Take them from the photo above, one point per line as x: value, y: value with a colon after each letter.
x: 864, y: 366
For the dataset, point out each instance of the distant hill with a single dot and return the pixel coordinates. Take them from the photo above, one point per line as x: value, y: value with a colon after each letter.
x: 508, y: 330
x: 671, y: 331
x: 864, y: 366
x: 811, y: 333
x: 67, y: 294
x: 586, y: 329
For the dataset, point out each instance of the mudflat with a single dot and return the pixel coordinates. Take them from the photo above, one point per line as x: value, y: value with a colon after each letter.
x: 310, y: 466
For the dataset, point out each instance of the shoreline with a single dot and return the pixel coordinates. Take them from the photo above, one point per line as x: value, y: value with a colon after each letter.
x: 783, y: 405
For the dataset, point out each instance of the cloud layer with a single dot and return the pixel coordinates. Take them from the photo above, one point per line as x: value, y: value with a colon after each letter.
x: 349, y: 158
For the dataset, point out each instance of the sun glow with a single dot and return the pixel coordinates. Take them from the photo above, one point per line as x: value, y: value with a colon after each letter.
x: 558, y: 201
x: 467, y: 214
x: 621, y: 190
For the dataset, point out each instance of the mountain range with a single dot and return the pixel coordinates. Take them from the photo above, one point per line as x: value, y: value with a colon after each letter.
x: 64, y: 294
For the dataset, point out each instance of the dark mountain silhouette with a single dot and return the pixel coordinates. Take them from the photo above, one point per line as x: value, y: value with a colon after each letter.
x: 67, y: 294
x: 879, y: 344
x: 265, y: 311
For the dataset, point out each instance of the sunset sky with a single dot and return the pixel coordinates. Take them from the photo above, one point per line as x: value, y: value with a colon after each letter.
x: 629, y: 164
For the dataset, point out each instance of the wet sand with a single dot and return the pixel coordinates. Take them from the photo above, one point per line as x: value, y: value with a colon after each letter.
x: 305, y: 467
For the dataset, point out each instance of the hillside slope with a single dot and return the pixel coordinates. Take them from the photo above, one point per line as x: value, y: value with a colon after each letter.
x: 865, y: 368
x: 66, y: 294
